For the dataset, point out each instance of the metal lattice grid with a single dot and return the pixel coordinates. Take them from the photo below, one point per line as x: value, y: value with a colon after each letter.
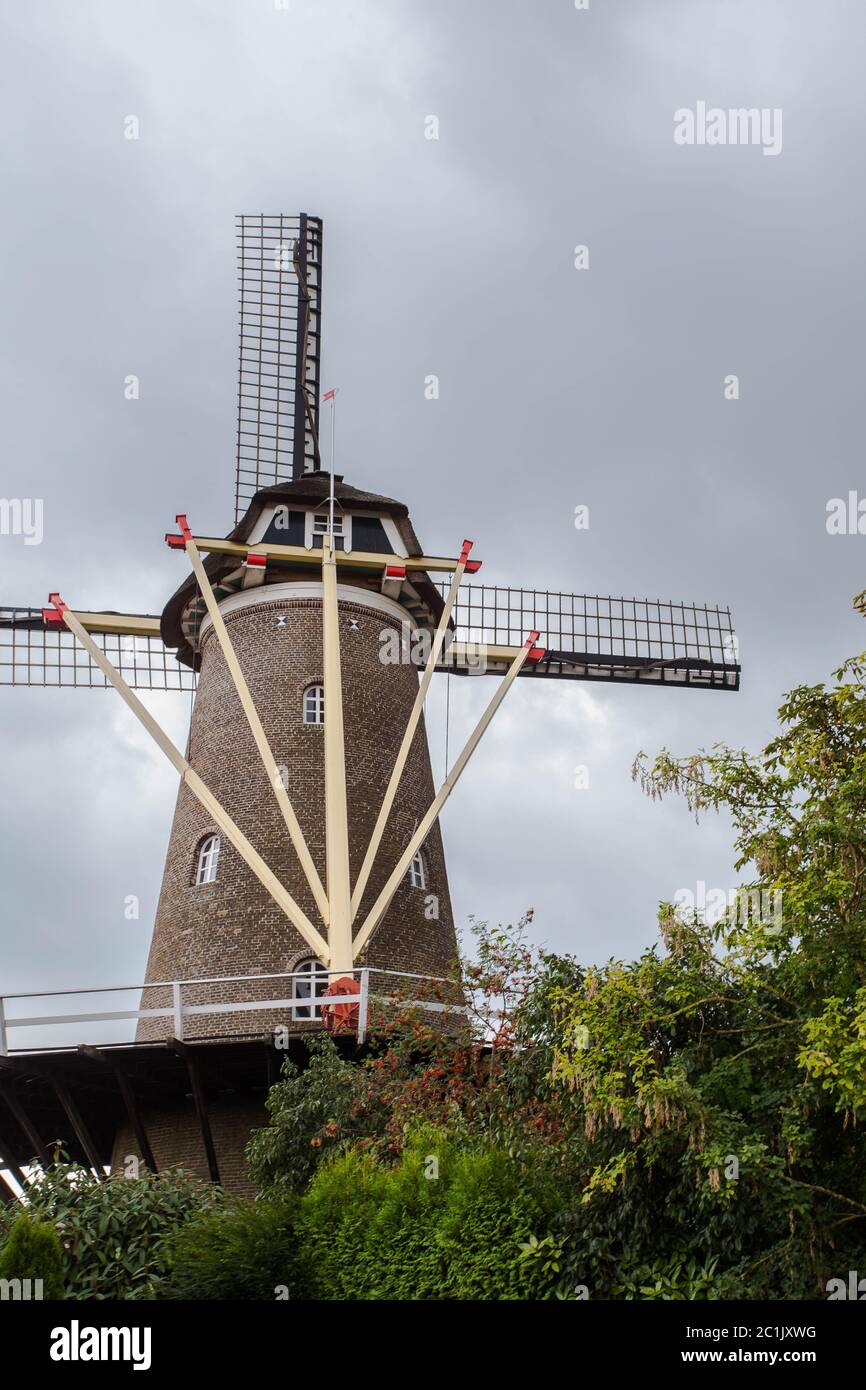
x: 279, y: 281
x: 603, y: 638
x: 31, y: 654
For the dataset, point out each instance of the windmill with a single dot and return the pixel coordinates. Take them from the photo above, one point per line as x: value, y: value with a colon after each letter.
x: 305, y: 843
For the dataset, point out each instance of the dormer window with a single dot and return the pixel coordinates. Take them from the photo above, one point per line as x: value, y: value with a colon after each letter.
x: 321, y: 520
x: 318, y: 524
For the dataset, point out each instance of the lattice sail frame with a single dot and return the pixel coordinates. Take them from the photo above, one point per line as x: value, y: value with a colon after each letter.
x: 585, y: 637
x: 31, y: 653
x: 280, y: 292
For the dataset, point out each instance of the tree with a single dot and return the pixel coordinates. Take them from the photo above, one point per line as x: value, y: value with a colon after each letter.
x: 723, y: 1083
x: 32, y: 1253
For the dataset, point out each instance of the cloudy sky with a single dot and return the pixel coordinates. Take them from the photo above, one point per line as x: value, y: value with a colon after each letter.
x: 558, y: 387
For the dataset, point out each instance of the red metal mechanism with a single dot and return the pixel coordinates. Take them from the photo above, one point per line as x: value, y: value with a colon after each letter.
x: 179, y: 542
x: 535, y: 653
x: 472, y: 566
x: 395, y: 571
x: 257, y: 561
x: 341, y: 1018
x: 54, y: 615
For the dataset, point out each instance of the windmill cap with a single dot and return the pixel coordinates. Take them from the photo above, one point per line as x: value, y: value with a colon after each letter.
x: 310, y: 490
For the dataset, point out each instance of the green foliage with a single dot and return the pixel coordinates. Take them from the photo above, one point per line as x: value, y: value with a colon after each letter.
x: 250, y: 1250
x: 679, y: 1278
x: 546, y: 1254
x: 312, y: 1112
x: 439, y: 1224
x: 335, y: 1221
x: 32, y: 1251
x: 491, y: 1210
x: 113, y: 1233
x: 835, y: 1051
x: 719, y: 1080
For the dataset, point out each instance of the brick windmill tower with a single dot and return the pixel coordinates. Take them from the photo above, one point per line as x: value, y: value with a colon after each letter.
x: 305, y: 872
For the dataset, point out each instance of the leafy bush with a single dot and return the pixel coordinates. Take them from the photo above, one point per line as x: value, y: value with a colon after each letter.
x: 370, y: 1229
x: 490, y: 1211
x: 32, y: 1251
x: 248, y: 1251
x: 113, y: 1233
x: 312, y: 1112
x: 440, y: 1224
x: 335, y: 1220
x: 679, y: 1278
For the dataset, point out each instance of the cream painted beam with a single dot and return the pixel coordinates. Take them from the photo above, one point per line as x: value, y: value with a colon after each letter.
x: 126, y: 624
x: 336, y: 809
x: 265, y: 752
x: 298, y: 554
x: 252, y: 858
x: 408, y: 736
x: 382, y: 903
x: 478, y: 654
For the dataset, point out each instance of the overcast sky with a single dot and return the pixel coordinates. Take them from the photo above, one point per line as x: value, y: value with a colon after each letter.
x: 558, y: 387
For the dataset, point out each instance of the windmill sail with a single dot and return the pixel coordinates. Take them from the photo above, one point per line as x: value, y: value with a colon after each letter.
x: 585, y: 637
x: 280, y: 288
x: 34, y: 653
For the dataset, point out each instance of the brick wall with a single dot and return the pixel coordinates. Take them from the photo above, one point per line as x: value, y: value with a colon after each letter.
x: 176, y: 1140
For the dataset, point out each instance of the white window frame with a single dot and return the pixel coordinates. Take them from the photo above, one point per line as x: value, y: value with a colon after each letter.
x: 316, y: 705
x: 316, y: 986
x: 208, y: 861
x: 316, y: 524
x: 417, y: 871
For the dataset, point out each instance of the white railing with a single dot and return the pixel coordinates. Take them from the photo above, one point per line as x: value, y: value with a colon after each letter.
x: 179, y: 1010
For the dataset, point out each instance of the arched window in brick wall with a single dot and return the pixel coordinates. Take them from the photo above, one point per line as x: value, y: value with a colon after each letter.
x: 208, y: 859
x: 314, y: 704
x: 417, y: 871
x: 310, y: 982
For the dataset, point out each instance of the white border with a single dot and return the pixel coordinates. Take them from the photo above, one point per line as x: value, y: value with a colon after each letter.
x: 306, y: 589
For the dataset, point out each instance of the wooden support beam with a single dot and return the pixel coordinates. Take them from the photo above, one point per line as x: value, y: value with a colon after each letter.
x: 380, y: 907
x: 75, y: 1118
x: 288, y: 812
x: 252, y: 858
x: 125, y: 624
x: 299, y: 555
x: 479, y: 656
x: 24, y: 1122
x: 110, y: 1064
x: 186, y: 1053
x: 8, y: 1162
x: 408, y: 736
x: 8, y: 1195
x: 336, y: 809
